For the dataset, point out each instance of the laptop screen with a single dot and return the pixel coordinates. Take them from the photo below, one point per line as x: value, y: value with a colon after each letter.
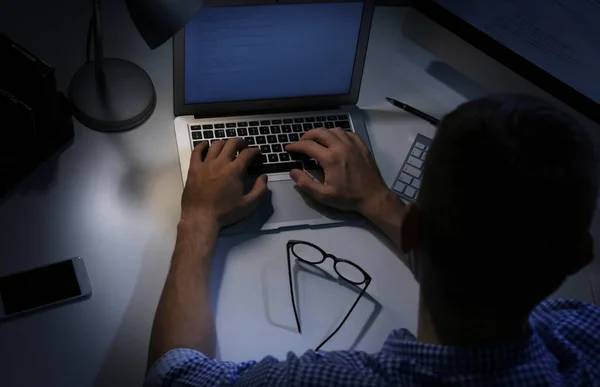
x: 246, y: 53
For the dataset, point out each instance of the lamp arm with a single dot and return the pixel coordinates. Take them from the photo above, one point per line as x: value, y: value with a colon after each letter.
x: 98, y: 41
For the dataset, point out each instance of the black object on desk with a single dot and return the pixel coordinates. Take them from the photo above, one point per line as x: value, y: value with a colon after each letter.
x: 35, y: 117
x: 409, y: 109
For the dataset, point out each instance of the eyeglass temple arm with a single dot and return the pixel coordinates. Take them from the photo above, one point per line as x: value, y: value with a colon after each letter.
x: 345, y: 318
x: 292, y: 291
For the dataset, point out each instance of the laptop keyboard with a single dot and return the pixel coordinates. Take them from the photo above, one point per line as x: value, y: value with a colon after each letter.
x: 271, y: 137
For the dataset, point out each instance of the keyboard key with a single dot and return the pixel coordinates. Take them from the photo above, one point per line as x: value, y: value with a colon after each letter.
x: 417, y: 153
x: 310, y: 119
x: 410, y: 192
x: 424, y: 155
x: 272, y: 139
x: 419, y: 145
x: 286, y: 129
x: 412, y: 171
x: 275, y: 129
x: 209, y: 126
x: 230, y: 132
x: 249, y: 140
x: 343, y: 124
x: 196, y: 143
x: 329, y: 125
x: 297, y: 128
x: 321, y: 119
x: 265, y: 149
x: 261, y: 140
x: 399, y: 187
x: 262, y: 159
x: 197, y: 135
x: 276, y: 122
x: 284, y: 156
x: 405, y: 178
x: 242, y: 124
x: 253, y: 123
x: 415, y: 162
x: 219, y: 126
x: 242, y: 132
x: 283, y: 138
x: 294, y: 137
x: 299, y: 156
x: 265, y: 122
x: 273, y: 168
x: 273, y: 158
x: 277, y: 148
x: 343, y: 117
x: 311, y: 165
x: 220, y: 133
x: 231, y: 124
x: 253, y: 130
x: 416, y: 183
x: 298, y: 120
x: 208, y: 134
x: 331, y: 118
x: 288, y: 121
x: 307, y: 127
x: 264, y: 130
x: 196, y: 127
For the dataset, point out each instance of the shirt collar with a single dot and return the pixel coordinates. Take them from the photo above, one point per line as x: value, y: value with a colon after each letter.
x: 461, y: 360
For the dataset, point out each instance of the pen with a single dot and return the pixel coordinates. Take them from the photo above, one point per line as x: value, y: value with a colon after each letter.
x: 409, y: 109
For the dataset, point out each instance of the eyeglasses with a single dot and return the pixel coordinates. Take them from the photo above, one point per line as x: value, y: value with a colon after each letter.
x: 313, y: 255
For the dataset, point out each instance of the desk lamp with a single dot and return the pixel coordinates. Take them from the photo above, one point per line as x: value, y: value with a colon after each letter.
x: 111, y: 94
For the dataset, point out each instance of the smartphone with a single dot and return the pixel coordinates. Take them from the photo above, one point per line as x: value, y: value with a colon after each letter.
x: 44, y: 287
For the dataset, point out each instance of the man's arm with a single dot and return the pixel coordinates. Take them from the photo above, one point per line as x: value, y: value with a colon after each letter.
x: 352, y: 180
x: 213, y: 198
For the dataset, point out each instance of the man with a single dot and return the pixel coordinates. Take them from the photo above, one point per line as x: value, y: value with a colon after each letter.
x: 507, y: 198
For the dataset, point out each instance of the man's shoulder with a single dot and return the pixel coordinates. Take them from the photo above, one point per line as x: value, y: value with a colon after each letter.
x: 559, y: 309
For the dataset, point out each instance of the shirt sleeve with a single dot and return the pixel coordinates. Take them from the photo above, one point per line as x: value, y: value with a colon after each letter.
x: 188, y: 367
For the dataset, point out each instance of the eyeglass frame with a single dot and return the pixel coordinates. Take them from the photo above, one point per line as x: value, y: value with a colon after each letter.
x: 367, y: 281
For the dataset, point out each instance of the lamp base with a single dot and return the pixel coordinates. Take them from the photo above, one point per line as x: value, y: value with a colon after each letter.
x: 122, y: 99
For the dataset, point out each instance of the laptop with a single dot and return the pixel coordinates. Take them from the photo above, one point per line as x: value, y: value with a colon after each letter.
x: 269, y: 71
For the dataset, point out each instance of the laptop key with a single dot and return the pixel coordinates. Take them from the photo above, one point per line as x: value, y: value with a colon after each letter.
x: 272, y: 139
x: 329, y: 125
x: 196, y: 143
x: 219, y: 126
x: 277, y: 148
x: 241, y: 124
x: 231, y: 124
x: 253, y: 123
x: 284, y: 156
x: 196, y: 127
x: 307, y: 127
x: 288, y: 121
x: 283, y: 138
x: 275, y: 129
x: 276, y: 122
x: 273, y: 168
x: 230, y: 132
x: 253, y: 131
x: 343, y: 124
x: 265, y: 149
x: 249, y: 140
x: 273, y: 158
x: 242, y: 132
x: 294, y: 137
x: 208, y: 134
x: 197, y: 135
x: 220, y: 133
x: 298, y: 120
x: 321, y: 119
x: 264, y: 130
x: 343, y: 117
x: 297, y: 128
x: 331, y: 118
x: 310, y: 119
x: 261, y: 140
x: 265, y: 122
x: 286, y: 129
x: 207, y: 126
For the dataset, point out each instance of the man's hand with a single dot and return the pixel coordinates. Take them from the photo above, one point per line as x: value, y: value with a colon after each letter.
x: 352, y: 179
x: 214, y: 192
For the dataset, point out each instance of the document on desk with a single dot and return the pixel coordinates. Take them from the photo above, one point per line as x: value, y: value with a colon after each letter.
x: 560, y: 36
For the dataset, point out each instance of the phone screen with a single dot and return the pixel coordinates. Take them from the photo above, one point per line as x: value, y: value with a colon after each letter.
x: 39, y: 287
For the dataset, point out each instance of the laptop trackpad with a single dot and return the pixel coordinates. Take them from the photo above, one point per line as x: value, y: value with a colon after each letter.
x: 282, y: 206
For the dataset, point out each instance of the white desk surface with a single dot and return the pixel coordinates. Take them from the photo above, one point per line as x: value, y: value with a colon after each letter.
x: 113, y: 199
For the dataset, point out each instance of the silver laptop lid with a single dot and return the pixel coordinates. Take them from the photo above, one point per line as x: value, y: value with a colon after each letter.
x: 239, y: 57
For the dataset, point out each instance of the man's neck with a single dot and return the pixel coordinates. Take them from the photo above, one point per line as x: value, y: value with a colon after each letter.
x: 466, y: 333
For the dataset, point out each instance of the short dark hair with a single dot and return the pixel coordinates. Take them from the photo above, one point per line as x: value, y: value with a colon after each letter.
x: 508, y: 194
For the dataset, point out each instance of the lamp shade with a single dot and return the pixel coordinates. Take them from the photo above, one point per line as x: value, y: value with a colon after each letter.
x: 159, y: 20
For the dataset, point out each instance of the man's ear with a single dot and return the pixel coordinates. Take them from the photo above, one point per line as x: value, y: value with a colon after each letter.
x: 585, y: 256
x: 409, y: 232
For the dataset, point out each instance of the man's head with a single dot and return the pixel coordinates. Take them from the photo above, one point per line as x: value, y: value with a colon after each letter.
x: 507, y: 198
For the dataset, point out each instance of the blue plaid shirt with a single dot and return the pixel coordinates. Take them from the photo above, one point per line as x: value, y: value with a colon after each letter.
x: 563, y: 349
